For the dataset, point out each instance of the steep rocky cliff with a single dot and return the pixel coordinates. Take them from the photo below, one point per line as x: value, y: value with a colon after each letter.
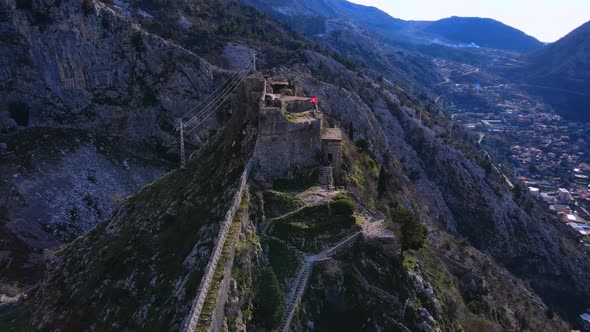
x: 559, y: 73
x: 140, y: 269
x: 448, y: 182
x: 87, y: 105
x: 356, y: 33
x: 88, y: 101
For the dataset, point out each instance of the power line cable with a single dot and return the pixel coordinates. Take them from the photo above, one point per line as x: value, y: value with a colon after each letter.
x: 212, y: 111
x: 217, y: 89
x: 224, y: 85
x: 229, y: 89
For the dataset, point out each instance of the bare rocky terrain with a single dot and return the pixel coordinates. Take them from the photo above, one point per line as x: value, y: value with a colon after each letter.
x: 102, y: 84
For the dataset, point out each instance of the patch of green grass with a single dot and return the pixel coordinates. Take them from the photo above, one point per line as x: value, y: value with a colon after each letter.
x: 277, y: 203
x: 371, y: 166
x: 409, y: 262
x: 312, y: 220
x: 290, y: 117
x: 358, y: 220
x: 320, y: 223
x: 356, y: 177
x: 282, y: 260
x: 224, y: 260
x: 15, y: 320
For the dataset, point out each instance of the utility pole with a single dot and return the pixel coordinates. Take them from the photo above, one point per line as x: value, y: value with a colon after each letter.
x: 404, y: 309
x: 182, y: 156
x: 254, y: 62
x: 452, y: 125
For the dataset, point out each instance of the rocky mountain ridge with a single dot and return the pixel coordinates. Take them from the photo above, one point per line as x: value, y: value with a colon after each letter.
x: 483, y: 32
x: 559, y: 73
x: 160, y: 239
x: 88, y: 104
x: 169, y: 225
x: 156, y: 215
x: 312, y: 18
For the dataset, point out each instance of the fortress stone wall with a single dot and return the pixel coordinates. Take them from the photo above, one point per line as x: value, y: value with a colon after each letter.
x: 286, y: 149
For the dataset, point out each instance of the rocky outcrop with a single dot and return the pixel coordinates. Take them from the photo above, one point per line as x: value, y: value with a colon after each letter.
x: 143, y: 266
x: 88, y: 101
x: 92, y: 67
x: 559, y: 73
x: 442, y: 179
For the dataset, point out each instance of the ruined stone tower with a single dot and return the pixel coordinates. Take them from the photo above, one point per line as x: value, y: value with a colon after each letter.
x: 291, y: 139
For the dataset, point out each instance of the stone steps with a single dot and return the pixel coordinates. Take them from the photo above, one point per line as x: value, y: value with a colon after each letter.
x: 326, y: 177
x: 296, y: 296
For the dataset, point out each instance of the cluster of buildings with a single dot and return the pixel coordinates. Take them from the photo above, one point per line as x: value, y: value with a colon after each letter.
x: 550, y: 154
x: 567, y: 209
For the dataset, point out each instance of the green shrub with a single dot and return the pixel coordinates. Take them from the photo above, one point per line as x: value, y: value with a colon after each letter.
x: 413, y: 231
x: 278, y: 203
x: 149, y: 96
x: 5, y: 14
x: 15, y: 319
x: 363, y: 144
x: 269, y: 299
x: 137, y: 42
x: 340, y: 196
x: 344, y: 206
x: 383, y: 182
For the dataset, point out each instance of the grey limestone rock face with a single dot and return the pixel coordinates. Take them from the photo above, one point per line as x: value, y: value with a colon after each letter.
x: 91, y: 71
x: 98, y: 71
x: 94, y: 69
x: 450, y: 190
x: 51, y: 193
x: 70, y: 197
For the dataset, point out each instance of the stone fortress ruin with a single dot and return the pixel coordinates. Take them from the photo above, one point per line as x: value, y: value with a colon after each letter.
x: 292, y: 137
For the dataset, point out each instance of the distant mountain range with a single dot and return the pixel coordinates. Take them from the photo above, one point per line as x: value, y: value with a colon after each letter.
x: 560, y: 72
x: 453, y: 31
x: 483, y: 32
x: 90, y: 94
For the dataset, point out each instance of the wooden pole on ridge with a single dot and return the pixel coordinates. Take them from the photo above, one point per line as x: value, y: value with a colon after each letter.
x: 182, y: 155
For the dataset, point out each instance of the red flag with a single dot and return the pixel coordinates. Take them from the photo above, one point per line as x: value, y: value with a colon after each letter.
x: 314, y: 100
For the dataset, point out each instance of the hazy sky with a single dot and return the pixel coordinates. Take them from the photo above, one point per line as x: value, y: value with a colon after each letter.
x: 546, y: 20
